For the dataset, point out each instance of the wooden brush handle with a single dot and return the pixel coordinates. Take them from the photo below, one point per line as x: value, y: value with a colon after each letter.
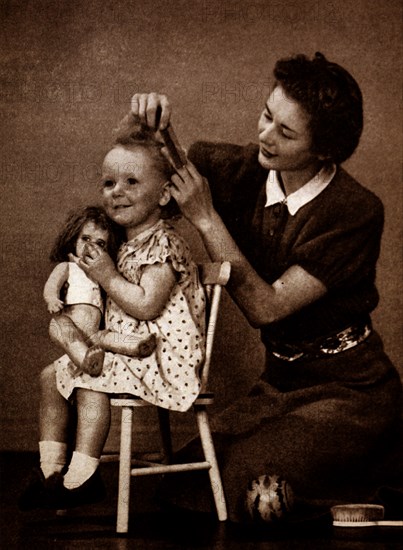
x: 177, y: 154
x: 379, y: 523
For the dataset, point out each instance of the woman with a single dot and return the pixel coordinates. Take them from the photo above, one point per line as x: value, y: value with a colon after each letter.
x: 303, y: 238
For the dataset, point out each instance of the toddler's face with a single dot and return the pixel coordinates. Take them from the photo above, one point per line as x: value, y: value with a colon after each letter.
x: 133, y: 189
x: 91, y: 234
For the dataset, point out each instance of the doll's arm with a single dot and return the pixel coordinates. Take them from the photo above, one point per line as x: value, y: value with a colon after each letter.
x: 53, y: 286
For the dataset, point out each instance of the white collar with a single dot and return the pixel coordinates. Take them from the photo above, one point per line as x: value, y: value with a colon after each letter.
x: 303, y: 195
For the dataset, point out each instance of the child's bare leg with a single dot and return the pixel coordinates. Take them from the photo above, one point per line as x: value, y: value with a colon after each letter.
x: 54, y: 410
x: 53, y: 427
x: 131, y: 345
x: 93, y: 421
x: 54, y: 421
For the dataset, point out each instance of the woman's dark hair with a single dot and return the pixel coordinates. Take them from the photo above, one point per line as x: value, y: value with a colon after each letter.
x: 130, y: 134
x: 66, y: 241
x: 331, y: 97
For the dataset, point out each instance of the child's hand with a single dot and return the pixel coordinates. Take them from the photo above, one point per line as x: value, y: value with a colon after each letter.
x: 54, y: 305
x: 151, y: 107
x: 96, y: 263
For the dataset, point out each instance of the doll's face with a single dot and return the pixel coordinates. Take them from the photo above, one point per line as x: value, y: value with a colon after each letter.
x: 91, y: 234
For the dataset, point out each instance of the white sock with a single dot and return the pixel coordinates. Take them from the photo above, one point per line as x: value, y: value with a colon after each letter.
x: 81, y: 468
x: 52, y: 455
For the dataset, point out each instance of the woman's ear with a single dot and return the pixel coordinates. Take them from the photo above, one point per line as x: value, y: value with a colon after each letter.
x: 165, y: 194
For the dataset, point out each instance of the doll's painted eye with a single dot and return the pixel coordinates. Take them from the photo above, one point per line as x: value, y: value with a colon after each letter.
x: 108, y: 184
x: 132, y: 181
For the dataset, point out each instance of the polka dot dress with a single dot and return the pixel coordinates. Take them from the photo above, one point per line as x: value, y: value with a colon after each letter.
x: 169, y: 377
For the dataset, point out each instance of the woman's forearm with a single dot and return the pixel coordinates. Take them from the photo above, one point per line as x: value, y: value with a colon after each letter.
x: 255, y: 297
x: 260, y: 302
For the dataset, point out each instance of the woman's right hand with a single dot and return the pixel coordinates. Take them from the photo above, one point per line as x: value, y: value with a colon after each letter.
x: 153, y: 109
x: 192, y: 194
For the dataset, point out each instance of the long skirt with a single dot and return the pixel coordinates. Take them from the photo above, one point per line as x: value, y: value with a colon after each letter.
x: 328, y: 426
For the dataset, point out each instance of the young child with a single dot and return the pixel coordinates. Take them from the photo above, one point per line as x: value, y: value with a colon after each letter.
x: 154, y: 289
x: 75, y: 300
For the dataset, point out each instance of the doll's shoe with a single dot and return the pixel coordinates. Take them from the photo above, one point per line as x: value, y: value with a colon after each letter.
x: 90, y: 492
x: 146, y: 347
x: 37, y: 490
x: 93, y: 361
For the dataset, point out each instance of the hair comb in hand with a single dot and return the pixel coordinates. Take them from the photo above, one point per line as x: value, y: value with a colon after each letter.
x: 172, y: 144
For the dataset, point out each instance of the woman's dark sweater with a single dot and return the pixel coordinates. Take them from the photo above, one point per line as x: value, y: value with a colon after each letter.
x: 335, y: 237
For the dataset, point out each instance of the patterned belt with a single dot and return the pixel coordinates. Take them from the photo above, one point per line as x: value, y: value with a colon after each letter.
x: 336, y: 343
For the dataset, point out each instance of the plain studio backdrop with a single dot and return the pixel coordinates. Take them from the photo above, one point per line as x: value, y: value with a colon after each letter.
x: 68, y: 71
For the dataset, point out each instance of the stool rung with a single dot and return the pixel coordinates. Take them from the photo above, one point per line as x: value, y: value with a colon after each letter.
x: 145, y: 463
x: 170, y: 468
x: 110, y: 457
x: 114, y: 457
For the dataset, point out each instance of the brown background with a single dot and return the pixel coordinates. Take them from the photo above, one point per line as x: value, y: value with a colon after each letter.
x: 68, y: 70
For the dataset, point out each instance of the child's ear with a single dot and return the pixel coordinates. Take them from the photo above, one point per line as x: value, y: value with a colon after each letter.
x: 165, y: 194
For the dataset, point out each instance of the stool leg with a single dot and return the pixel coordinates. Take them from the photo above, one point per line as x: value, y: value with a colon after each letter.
x: 209, y: 453
x: 122, y: 523
x: 165, y: 429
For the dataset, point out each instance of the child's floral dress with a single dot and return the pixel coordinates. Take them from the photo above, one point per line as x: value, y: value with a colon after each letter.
x: 169, y: 376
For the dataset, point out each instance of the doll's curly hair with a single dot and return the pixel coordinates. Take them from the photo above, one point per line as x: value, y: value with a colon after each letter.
x: 130, y: 133
x: 66, y: 240
x: 332, y: 99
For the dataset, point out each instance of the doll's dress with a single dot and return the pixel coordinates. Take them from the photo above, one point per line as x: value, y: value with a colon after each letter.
x: 80, y: 289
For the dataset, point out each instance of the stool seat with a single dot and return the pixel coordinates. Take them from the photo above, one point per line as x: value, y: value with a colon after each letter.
x: 121, y: 399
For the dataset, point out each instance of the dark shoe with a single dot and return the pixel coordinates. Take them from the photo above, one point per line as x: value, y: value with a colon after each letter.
x: 37, y: 490
x: 90, y: 492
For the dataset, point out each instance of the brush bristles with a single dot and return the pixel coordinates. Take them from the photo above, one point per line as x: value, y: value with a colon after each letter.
x: 357, y: 512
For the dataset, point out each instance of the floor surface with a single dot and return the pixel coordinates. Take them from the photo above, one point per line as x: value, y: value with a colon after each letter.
x: 152, y: 529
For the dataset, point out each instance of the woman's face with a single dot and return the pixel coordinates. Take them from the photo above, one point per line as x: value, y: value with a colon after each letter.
x: 91, y: 234
x: 285, y: 139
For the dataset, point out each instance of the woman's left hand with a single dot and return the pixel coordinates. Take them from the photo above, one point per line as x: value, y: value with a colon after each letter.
x: 192, y: 193
x: 96, y: 263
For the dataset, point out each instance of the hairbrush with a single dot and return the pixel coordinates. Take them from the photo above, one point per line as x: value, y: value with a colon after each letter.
x: 172, y: 144
x: 171, y: 141
x: 361, y: 515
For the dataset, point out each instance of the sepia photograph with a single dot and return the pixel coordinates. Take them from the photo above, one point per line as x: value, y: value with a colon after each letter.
x: 202, y: 296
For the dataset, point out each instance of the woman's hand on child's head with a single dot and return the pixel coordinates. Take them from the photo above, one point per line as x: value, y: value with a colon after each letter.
x: 96, y: 263
x: 153, y: 110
